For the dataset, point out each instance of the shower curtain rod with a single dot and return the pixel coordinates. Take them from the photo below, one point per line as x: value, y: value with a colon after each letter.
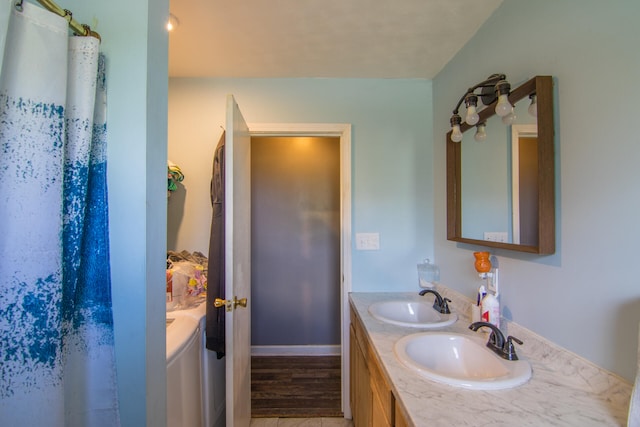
x: 78, y: 28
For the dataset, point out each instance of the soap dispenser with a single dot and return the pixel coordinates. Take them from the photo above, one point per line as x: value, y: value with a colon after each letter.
x: 428, y: 274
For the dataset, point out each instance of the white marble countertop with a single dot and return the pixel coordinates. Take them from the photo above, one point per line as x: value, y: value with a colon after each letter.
x: 564, y: 390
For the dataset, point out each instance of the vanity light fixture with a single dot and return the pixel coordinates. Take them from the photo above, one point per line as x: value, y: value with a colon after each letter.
x: 495, y: 87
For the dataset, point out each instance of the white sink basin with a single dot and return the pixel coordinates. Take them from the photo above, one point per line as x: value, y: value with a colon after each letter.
x: 460, y: 360
x: 410, y: 313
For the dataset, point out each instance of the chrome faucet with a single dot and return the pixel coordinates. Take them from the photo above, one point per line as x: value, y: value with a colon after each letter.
x: 439, y: 304
x: 497, y: 343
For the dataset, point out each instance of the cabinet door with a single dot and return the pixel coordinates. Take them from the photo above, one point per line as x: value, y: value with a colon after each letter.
x: 353, y: 375
x: 383, y: 399
x: 360, y: 384
x: 400, y: 420
x: 378, y: 413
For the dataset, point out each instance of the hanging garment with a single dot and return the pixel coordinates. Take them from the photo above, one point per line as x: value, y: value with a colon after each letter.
x: 215, y: 280
x: 57, y: 364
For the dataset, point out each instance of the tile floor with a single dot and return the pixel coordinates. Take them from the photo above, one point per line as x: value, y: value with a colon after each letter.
x: 300, y: 422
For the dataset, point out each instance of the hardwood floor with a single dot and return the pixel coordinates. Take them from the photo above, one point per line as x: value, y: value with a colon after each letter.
x: 300, y: 422
x: 295, y: 386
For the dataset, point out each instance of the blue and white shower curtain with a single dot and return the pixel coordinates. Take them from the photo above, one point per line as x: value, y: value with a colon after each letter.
x: 57, y: 364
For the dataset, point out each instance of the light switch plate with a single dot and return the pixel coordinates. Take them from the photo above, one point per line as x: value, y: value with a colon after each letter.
x: 367, y: 241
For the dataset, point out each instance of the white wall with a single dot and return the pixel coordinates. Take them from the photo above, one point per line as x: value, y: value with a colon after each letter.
x: 392, y: 160
x: 135, y: 44
x: 585, y: 297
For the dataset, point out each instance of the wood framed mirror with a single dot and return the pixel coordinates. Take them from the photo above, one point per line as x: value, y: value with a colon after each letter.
x: 501, y: 191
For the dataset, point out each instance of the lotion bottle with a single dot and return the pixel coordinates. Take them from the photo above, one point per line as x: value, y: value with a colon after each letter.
x: 490, y: 311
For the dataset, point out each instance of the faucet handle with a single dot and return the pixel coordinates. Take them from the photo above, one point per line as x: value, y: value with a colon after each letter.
x: 444, y: 307
x: 509, y: 351
x: 493, y: 339
x: 439, y: 304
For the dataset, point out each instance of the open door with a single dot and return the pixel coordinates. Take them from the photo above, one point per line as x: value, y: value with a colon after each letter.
x: 238, y: 267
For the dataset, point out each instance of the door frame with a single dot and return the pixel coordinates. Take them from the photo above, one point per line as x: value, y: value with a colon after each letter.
x: 343, y: 132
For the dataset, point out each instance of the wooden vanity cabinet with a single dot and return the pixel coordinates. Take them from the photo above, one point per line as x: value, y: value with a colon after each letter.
x: 372, y: 401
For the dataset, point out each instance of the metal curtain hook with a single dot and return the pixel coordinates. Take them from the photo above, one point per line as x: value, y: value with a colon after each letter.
x: 18, y: 6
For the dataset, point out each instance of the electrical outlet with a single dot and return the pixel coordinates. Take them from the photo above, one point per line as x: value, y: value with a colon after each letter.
x: 368, y: 241
x: 496, y: 236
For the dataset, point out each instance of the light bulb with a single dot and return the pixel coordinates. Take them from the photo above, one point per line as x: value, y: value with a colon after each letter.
x: 471, y: 101
x: 481, y: 132
x: 503, y: 107
x: 456, y: 134
x: 172, y: 22
x: 533, y: 107
x: 472, y: 115
x: 510, y: 118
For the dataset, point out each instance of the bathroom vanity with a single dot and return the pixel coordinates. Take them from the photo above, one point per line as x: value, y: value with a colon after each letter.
x: 372, y: 399
x: 564, y: 389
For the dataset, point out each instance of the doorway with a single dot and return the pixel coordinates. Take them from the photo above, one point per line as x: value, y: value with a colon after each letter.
x: 524, y: 184
x: 326, y: 338
x: 295, y: 276
x: 295, y: 244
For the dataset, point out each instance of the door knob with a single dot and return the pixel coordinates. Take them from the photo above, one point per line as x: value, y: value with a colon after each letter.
x: 230, y: 304
x: 242, y: 302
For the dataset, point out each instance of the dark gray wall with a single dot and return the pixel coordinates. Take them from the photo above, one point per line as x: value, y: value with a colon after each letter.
x: 295, y: 220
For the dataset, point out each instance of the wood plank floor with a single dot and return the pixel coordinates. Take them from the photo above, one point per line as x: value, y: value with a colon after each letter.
x: 295, y: 386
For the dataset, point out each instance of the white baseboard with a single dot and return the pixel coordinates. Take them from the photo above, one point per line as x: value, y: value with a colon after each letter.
x: 295, y: 350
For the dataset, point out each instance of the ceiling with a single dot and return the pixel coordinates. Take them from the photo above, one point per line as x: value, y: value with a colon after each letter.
x: 321, y: 38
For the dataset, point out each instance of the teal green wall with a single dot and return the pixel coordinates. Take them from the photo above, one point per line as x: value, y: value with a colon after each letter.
x: 392, y: 160
x: 586, y: 296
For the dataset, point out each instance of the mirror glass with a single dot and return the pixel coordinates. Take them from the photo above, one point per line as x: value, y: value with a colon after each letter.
x: 490, y: 181
x: 497, y: 193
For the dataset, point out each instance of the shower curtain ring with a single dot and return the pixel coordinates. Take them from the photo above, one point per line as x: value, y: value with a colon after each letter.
x: 68, y: 15
x: 18, y: 6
